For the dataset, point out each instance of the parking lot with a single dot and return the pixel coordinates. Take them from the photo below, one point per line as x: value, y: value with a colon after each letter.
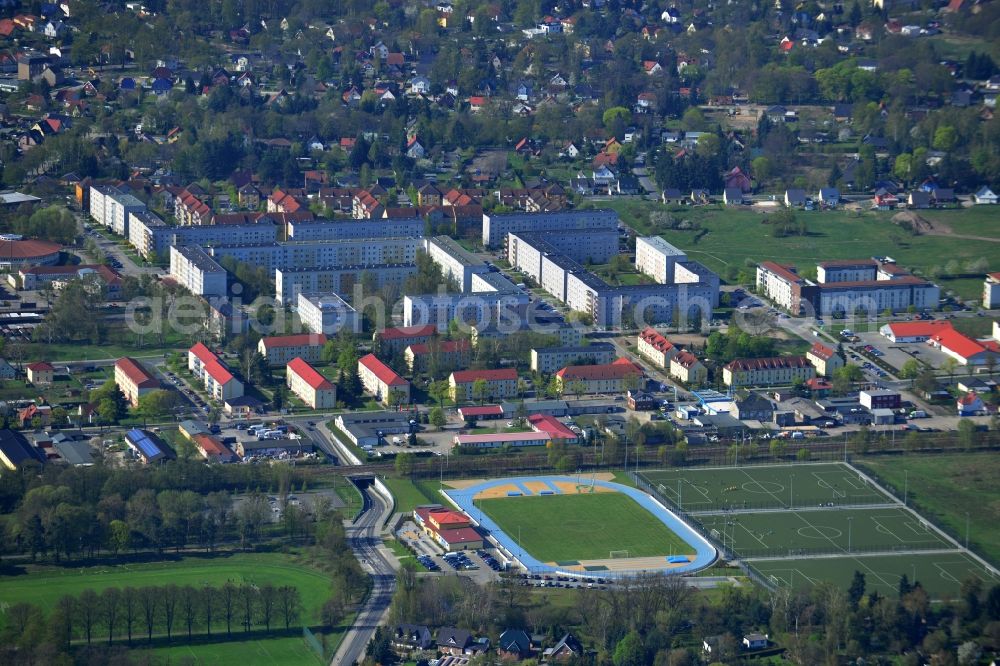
x: 897, y: 354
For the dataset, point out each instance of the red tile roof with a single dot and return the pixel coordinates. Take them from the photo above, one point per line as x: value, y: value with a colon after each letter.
x: 820, y: 350
x: 618, y: 370
x: 211, y: 446
x: 137, y: 374
x: 652, y: 337
x: 959, y: 343
x: 39, y: 366
x: 304, y: 339
x: 782, y: 271
x: 27, y: 249
x: 408, y: 332
x: 484, y: 410
x: 446, y: 346
x: 384, y: 373
x: 685, y: 359
x: 502, y: 374
x: 918, y: 329
x: 551, y: 426
x: 215, y: 368
x: 309, y: 374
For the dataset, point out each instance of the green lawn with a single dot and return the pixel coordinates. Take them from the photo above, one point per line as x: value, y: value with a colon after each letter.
x: 43, y: 585
x: 410, y: 494
x: 726, y: 238
x: 949, y: 488
x: 288, y: 651
x: 556, y: 528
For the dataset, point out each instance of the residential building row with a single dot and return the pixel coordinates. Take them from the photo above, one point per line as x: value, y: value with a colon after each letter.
x: 309, y: 385
x: 289, y: 282
x: 382, y: 382
x: 111, y: 208
x: 279, y: 350
x: 680, y: 364
x: 323, y: 253
x: 217, y: 379
x: 134, y: 380
x: 497, y: 384
x: 441, y: 354
x: 844, y: 287
x: 496, y: 226
x: 777, y: 371
x: 692, y: 290
x: 615, y: 377
x: 197, y: 272
x: 327, y: 313
x: 547, y: 360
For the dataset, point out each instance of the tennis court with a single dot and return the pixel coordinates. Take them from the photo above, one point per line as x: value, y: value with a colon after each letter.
x: 789, y: 533
x: 941, y: 574
x: 764, y: 487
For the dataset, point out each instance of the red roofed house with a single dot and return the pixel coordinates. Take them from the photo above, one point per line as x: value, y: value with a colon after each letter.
x: 444, y: 354
x: 553, y: 427
x: 278, y: 350
x: 212, y: 449
x: 476, y: 104
x: 782, y: 370
x: 970, y: 404
x: 451, y: 529
x: 655, y: 348
x: 500, y: 384
x: 686, y: 367
x: 614, y: 377
x: 40, y: 372
x: 382, y: 381
x: 134, y: 380
x: 480, y: 413
x: 391, y: 341
x: 282, y: 202
x: 213, y: 373
x: 315, y: 390
x: 824, y: 359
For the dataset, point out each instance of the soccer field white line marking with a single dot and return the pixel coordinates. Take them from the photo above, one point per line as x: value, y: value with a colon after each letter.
x: 761, y: 541
x: 823, y: 483
x: 780, y: 501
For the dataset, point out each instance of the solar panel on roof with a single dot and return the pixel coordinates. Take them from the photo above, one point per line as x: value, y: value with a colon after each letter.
x: 143, y: 442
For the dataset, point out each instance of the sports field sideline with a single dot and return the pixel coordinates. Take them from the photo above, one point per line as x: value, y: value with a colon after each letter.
x: 766, y: 487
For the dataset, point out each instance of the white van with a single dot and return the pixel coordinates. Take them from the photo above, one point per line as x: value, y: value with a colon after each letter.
x: 918, y: 414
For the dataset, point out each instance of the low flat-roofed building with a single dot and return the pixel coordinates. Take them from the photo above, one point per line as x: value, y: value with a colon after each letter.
x: 147, y: 446
x: 500, y: 439
x: 273, y: 448
x: 449, y: 528
x: 481, y: 412
x: 362, y: 428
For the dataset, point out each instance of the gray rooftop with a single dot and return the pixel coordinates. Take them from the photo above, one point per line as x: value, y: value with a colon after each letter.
x: 199, y: 258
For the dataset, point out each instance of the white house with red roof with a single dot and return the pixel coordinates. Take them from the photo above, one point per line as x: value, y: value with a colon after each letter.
x: 612, y: 377
x: 278, y: 350
x: 964, y: 349
x: 687, y: 368
x: 40, y: 372
x: 382, y: 381
x: 777, y: 371
x: 655, y: 348
x: 913, y: 331
x: 500, y: 383
x: 394, y: 340
x: 553, y: 427
x: 313, y: 388
x: 134, y: 380
x: 220, y: 383
x: 825, y: 359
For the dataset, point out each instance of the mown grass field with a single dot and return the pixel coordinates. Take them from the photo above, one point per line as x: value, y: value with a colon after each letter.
x: 728, y: 238
x: 44, y: 585
x: 556, y: 528
x: 949, y: 488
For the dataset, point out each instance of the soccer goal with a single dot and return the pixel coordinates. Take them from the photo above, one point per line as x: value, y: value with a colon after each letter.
x: 618, y: 555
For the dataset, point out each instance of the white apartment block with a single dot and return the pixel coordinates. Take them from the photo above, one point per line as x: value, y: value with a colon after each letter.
x: 496, y: 226
x: 323, y: 253
x: 196, y: 271
x: 147, y: 233
x: 290, y: 282
x: 991, y: 291
x: 327, y: 313
x: 382, y: 381
x: 110, y: 207
x: 780, y: 284
x: 456, y: 262
x: 307, y: 230
x: 213, y: 373
x: 478, y: 308
x: 547, y: 360
x: 657, y: 258
x: 860, y: 270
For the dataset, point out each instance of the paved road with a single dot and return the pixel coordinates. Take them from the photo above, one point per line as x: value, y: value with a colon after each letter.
x: 364, y: 540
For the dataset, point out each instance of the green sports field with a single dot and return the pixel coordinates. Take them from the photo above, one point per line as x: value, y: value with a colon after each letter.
x: 764, y: 487
x: 780, y: 533
x: 941, y: 574
x: 291, y: 651
x: 560, y: 528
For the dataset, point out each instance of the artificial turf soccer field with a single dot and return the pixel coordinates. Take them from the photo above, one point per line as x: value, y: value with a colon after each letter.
x: 780, y: 533
x: 563, y: 528
x: 941, y: 574
x: 763, y: 487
